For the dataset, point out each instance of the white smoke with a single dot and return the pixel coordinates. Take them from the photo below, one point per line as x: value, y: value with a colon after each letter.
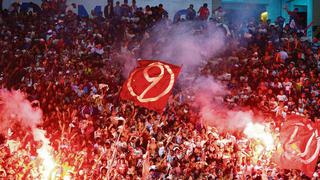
x: 127, y: 62
x: 15, y: 108
x: 208, y: 99
x: 188, y: 44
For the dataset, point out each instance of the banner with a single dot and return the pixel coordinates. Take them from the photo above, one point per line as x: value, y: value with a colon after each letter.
x: 300, y: 145
x: 150, y: 84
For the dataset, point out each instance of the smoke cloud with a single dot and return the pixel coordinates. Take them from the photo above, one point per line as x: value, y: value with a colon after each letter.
x: 208, y: 98
x: 15, y: 108
x: 188, y: 44
x: 127, y: 62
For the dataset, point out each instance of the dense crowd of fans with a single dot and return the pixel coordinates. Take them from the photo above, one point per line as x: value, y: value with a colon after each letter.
x: 71, y: 66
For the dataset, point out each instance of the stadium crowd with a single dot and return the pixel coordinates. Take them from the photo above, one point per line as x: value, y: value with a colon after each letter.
x: 71, y: 66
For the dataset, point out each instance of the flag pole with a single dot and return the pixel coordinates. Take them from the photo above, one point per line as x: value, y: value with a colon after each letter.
x: 117, y: 142
x: 309, y: 25
x: 114, y: 153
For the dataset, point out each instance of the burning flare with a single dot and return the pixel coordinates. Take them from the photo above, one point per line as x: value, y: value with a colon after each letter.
x: 260, y: 132
x: 48, y: 162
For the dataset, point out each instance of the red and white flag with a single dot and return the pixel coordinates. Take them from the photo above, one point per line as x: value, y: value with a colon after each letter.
x: 150, y: 84
x: 300, y: 145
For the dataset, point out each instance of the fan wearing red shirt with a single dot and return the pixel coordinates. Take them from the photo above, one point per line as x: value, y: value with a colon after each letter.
x: 204, y: 12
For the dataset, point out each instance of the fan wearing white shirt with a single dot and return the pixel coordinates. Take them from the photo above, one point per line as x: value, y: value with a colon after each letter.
x: 287, y: 85
x: 282, y: 96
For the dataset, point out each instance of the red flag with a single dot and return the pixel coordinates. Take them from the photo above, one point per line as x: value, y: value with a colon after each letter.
x: 150, y: 84
x: 300, y: 145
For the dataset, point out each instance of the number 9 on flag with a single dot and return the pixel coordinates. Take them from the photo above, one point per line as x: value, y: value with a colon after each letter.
x: 150, y: 84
